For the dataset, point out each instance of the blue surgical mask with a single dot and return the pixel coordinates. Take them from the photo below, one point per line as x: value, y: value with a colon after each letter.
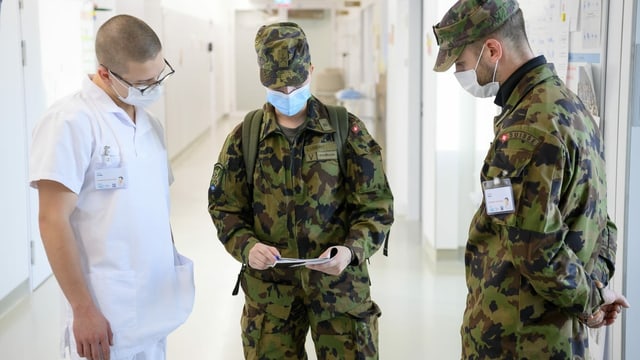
x: 289, y: 104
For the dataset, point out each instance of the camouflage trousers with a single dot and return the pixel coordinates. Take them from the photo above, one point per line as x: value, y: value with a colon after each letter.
x: 265, y: 336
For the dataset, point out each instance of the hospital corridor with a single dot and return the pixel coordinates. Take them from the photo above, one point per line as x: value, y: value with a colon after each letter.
x: 381, y: 60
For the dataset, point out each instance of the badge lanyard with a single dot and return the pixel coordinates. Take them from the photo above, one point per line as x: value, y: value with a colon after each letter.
x: 498, y: 196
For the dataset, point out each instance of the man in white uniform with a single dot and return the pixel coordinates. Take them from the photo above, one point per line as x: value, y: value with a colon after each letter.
x: 100, y: 165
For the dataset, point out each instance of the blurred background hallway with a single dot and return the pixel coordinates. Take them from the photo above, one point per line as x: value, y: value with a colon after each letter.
x: 373, y: 56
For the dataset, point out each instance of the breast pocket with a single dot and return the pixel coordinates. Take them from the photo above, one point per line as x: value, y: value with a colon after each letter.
x: 108, y: 155
x: 320, y: 162
x: 508, y: 164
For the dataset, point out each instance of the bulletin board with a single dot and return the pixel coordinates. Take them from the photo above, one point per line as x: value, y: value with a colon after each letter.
x: 572, y: 34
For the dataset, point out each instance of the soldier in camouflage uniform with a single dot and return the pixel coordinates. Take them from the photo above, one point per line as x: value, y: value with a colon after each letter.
x: 536, y: 271
x: 301, y: 205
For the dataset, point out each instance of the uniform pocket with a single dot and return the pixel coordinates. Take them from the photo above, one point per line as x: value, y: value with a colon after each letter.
x: 276, y: 299
x: 185, y: 287
x: 365, y: 332
x: 115, y: 294
x: 508, y: 165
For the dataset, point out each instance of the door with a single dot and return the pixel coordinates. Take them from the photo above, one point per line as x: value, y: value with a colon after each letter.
x: 14, y: 257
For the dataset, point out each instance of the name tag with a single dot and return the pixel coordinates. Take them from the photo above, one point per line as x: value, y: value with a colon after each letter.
x: 111, y: 178
x: 498, y: 196
x: 321, y: 152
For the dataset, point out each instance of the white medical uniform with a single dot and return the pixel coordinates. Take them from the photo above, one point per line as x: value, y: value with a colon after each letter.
x: 140, y: 283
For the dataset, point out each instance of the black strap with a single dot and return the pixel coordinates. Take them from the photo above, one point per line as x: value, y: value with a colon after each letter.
x: 250, y: 139
x: 339, y: 119
x: 236, y: 288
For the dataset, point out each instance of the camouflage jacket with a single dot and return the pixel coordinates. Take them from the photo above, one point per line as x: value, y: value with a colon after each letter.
x: 302, y: 204
x: 532, y: 273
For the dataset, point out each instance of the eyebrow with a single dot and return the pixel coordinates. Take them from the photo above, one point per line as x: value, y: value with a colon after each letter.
x: 153, y: 78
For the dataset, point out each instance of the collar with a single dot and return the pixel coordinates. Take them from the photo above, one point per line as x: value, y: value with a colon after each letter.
x: 537, y: 76
x: 317, y: 118
x: 510, y: 84
x: 105, y: 105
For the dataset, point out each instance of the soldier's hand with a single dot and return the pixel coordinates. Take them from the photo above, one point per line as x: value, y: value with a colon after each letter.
x: 262, y: 256
x: 596, y: 320
x: 613, y: 304
x: 339, y: 260
x: 611, y: 297
x: 608, y: 312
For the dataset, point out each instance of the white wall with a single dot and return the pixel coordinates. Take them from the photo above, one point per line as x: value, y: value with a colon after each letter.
x: 403, y: 141
x: 189, y: 97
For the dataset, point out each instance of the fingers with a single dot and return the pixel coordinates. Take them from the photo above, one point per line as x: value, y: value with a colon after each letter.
x: 110, y: 334
x: 96, y: 352
x: 610, y: 314
x: 106, y: 351
x: 340, y: 258
x: 596, y: 320
x: 80, y: 349
x: 622, y: 301
x: 262, y: 256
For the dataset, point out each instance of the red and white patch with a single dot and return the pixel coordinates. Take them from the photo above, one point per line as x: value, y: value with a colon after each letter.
x: 504, y: 138
x: 355, y: 129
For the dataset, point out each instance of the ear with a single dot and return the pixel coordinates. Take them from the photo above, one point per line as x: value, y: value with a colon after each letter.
x: 103, y: 73
x: 494, y: 49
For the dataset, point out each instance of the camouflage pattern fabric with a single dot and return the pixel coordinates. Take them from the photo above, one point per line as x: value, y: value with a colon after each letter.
x: 283, y: 55
x: 466, y: 22
x: 301, y: 204
x: 531, y: 274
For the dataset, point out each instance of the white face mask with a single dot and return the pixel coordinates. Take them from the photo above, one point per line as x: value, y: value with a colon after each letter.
x: 469, y: 81
x: 136, y: 98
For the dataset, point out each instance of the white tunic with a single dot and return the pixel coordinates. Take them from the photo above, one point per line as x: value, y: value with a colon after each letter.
x: 120, y: 172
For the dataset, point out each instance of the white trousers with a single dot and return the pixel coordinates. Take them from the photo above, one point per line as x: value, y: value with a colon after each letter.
x: 157, y: 351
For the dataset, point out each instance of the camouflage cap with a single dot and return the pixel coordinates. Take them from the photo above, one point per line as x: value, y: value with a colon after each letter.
x: 283, y: 55
x: 466, y: 22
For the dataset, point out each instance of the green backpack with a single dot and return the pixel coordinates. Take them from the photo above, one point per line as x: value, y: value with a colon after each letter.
x: 338, y: 118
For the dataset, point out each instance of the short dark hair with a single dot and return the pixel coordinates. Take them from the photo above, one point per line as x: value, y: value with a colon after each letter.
x: 513, y: 31
x: 125, y: 38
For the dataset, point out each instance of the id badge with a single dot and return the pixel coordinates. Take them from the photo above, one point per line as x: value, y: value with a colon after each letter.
x: 111, y: 178
x: 498, y: 196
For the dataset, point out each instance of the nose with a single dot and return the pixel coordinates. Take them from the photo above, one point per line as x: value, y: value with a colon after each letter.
x: 288, y: 89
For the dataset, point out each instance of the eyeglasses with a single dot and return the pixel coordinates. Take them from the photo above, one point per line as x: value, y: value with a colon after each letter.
x: 150, y: 86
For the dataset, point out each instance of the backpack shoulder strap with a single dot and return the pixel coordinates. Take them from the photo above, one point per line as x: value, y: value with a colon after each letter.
x: 250, y: 139
x: 339, y: 119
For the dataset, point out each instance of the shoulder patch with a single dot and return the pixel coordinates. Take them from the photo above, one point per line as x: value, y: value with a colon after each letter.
x: 325, y: 125
x: 520, y: 135
x: 218, y: 171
